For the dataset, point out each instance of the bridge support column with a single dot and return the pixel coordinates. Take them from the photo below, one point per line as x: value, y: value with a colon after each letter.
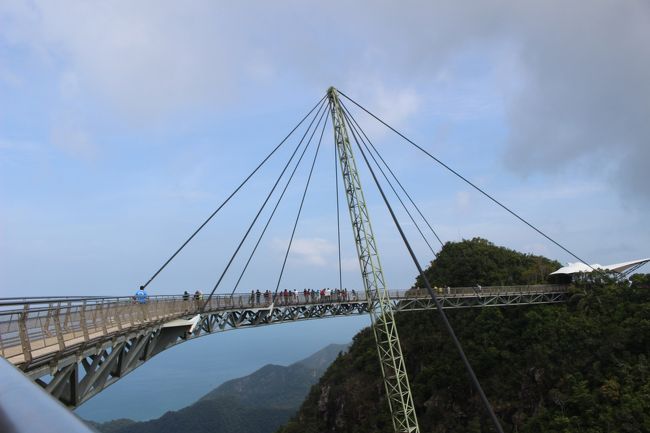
x: 393, y: 367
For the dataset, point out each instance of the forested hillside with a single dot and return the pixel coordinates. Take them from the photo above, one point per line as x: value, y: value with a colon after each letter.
x: 582, y: 366
x: 478, y: 261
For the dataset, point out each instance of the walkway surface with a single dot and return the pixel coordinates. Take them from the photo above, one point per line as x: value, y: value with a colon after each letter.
x: 36, y: 328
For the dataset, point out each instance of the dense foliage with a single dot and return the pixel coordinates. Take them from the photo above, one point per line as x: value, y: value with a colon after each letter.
x: 478, y: 261
x: 581, y: 366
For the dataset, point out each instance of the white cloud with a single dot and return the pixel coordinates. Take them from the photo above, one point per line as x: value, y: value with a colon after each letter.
x: 350, y: 264
x: 462, y: 201
x: 14, y: 145
x: 73, y: 141
x: 311, y: 251
x: 573, y: 77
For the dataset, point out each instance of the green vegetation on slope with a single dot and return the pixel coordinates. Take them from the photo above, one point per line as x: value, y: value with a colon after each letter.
x: 478, y: 261
x: 582, y: 366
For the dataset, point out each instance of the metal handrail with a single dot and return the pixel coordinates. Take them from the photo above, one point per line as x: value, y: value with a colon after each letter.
x: 47, y: 300
x: 49, y: 325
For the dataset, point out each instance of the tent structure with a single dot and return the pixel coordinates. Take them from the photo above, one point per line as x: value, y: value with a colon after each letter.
x: 624, y: 268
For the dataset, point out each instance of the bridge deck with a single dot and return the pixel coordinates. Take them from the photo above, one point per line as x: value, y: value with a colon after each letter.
x: 76, y: 347
x: 41, y: 327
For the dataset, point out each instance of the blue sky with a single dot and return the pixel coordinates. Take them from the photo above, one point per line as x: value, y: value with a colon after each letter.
x: 124, y: 124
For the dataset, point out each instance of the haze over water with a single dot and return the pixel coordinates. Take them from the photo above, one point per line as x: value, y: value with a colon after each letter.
x: 181, y: 375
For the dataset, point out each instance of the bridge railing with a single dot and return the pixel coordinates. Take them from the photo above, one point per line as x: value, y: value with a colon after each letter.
x: 482, y: 291
x: 34, y: 327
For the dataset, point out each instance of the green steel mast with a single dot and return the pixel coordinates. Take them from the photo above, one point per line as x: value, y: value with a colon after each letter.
x: 391, y: 359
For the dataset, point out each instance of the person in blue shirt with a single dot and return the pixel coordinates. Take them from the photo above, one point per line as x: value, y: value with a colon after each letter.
x: 141, y: 296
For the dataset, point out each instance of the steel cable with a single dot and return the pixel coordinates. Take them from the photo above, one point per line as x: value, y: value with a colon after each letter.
x: 302, y: 202
x: 426, y: 221
x: 232, y: 258
x: 232, y: 194
x: 426, y: 241
x: 338, y: 213
x: 448, y: 327
x: 463, y: 178
x: 268, y: 222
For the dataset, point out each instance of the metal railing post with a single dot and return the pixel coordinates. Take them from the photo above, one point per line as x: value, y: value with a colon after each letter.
x: 103, y: 317
x: 66, y: 322
x: 24, y: 336
x: 82, y: 321
x: 57, y: 327
x: 117, y: 314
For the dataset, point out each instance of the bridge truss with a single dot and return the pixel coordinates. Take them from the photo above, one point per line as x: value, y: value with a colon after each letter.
x: 76, y: 347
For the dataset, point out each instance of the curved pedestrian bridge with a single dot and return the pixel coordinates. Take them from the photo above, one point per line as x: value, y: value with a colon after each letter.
x: 76, y: 346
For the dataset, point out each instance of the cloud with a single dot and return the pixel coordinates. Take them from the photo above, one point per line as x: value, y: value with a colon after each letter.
x: 73, y: 141
x: 584, y: 99
x: 146, y: 59
x: 394, y: 104
x: 462, y: 201
x: 350, y: 264
x: 311, y: 251
x: 16, y: 145
x: 571, y: 76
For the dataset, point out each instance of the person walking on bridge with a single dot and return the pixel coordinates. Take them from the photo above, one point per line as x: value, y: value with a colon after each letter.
x: 141, y: 299
x: 141, y: 296
x: 198, y: 296
x: 186, y: 300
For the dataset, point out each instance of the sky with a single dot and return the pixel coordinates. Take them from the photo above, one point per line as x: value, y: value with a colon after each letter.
x: 123, y: 125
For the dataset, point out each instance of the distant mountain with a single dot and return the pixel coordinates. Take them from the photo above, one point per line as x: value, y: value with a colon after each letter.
x: 257, y: 403
x: 276, y: 386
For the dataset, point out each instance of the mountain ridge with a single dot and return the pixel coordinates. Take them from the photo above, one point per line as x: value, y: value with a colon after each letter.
x: 245, y: 404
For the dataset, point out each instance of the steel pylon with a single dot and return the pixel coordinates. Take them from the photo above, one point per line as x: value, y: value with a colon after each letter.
x: 393, y: 368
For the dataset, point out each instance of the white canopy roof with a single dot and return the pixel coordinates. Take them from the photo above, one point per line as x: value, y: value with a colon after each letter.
x: 574, y: 268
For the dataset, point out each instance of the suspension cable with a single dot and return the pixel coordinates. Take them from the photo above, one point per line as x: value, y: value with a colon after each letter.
x: 394, y: 175
x: 266, y: 200
x: 426, y: 241
x: 338, y: 214
x: 463, y: 178
x: 443, y: 316
x: 302, y: 202
x: 232, y: 194
x: 268, y: 222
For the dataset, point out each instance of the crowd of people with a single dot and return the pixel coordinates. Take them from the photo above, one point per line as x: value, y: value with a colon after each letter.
x: 286, y: 296
x: 283, y: 297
